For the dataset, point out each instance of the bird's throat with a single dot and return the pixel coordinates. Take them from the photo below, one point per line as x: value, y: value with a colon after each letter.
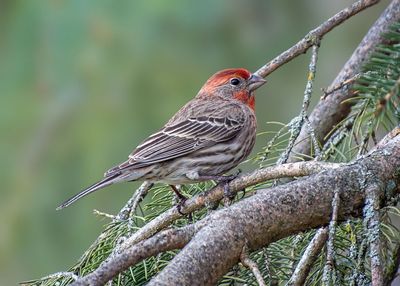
x: 246, y: 98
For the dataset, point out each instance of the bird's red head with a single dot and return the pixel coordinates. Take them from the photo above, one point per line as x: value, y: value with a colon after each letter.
x: 236, y: 83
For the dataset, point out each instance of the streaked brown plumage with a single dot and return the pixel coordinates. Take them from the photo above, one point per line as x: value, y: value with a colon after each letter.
x: 206, y: 138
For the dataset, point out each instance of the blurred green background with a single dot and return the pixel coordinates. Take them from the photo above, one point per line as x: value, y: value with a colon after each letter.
x: 83, y: 82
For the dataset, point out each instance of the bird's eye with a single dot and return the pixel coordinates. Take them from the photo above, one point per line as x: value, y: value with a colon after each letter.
x: 235, y: 81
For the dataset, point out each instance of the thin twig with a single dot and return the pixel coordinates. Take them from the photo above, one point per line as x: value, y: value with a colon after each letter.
x: 166, y: 240
x: 362, y: 149
x: 103, y: 214
x: 123, y: 214
x: 304, y: 44
x: 294, y: 127
x: 329, y: 275
x: 131, y: 205
x: 314, y: 140
x: 271, y: 143
x: 360, y: 277
x: 337, y: 137
x: 57, y: 275
x: 309, y: 256
x: 340, y: 85
x: 127, y: 214
x: 273, y: 281
x: 297, y: 123
x: 138, y: 197
x: 312, y: 69
x: 372, y: 227
x: 393, y: 266
x: 246, y: 261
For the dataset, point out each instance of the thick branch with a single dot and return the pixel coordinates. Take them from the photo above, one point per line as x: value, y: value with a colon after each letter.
x: 217, y: 193
x: 332, y: 109
x: 275, y: 213
x: 314, y: 36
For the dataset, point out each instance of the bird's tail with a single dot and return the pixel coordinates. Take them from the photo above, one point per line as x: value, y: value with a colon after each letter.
x: 99, y: 185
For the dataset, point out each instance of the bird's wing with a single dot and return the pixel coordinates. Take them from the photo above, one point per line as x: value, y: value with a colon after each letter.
x: 185, y: 136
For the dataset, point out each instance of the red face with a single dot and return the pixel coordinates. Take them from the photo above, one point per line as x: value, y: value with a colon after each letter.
x: 233, y: 83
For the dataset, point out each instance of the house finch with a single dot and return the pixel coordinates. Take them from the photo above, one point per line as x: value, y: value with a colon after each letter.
x: 206, y: 138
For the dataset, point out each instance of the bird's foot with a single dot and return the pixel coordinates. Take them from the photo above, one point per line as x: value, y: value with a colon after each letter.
x: 181, y: 201
x: 224, y: 181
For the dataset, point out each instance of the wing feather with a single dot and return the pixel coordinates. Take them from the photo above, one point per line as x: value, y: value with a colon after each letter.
x: 180, y: 138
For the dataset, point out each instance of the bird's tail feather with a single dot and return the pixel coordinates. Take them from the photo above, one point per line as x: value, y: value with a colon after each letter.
x: 99, y: 185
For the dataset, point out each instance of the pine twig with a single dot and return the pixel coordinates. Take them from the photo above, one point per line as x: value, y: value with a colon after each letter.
x: 372, y: 228
x: 360, y: 277
x: 314, y: 140
x: 329, y: 271
x: 103, y: 214
x: 340, y: 85
x: 131, y: 205
x: 56, y: 275
x: 270, y: 144
x: 298, y: 122
x: 391, y: 275
x: 246, y: 261
x: 166, y: 240
x: 271, y: 273
x: 300, y: 274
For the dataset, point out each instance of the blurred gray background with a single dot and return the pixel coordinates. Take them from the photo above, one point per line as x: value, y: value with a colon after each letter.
x: 83, y: 82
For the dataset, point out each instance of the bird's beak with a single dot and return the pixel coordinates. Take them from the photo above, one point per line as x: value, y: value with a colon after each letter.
x: 255, y: 81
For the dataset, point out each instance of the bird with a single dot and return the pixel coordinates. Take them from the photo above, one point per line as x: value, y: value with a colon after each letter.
x: 205, y: 139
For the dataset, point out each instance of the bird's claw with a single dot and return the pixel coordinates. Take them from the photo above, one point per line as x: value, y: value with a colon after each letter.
x: 180, y: 204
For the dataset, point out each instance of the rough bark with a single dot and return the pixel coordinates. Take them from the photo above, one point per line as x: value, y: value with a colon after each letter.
x: 215, y: 244
x: 275, y: 213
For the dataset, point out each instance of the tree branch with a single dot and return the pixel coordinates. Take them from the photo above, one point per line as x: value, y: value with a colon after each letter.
x: 166, y: 240
x: 372, y: 228
x: 298, y: 122
x: 329, y: 276
x: 314, y: 36
x: 275, y: 213
x: 333, y: 109
x: 217, y: 193
x: 215, y: 244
